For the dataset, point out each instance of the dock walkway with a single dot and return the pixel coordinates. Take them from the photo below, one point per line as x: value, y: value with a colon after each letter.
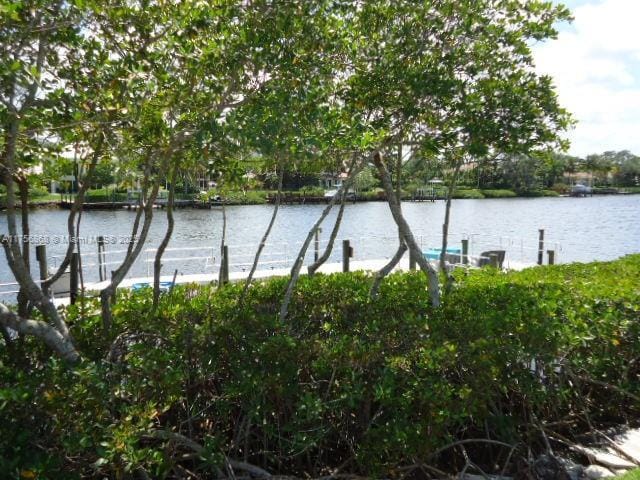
x: 207, y: 278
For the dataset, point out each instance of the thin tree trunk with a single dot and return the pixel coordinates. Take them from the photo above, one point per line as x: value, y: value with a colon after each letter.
x: 33, y: 292
x: 140, y: 209
x: 402, y: 246
x: 76, y: 207
x: 23, y: 186
x: 222, y: 243
x: 56, y: 335
x: 157, y: 263
x: 107, y: 293
x: 386, y: 270
x: 405, y: 230
x: 263, y: 241
x: 295, y: 270
x: 78, y: 242
x: 311, y: 270
x: 447, y: 214
x: 399, y: 173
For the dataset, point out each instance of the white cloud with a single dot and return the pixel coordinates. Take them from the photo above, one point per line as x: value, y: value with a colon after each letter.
x: 596, y: 67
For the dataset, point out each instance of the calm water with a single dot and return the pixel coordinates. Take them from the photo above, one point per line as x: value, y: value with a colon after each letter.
x: 579, y: 229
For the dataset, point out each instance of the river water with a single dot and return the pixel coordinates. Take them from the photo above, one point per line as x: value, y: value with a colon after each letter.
x: 577, y: 229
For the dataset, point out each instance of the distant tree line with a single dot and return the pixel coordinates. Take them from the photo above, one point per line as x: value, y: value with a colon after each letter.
x: 526, y: 173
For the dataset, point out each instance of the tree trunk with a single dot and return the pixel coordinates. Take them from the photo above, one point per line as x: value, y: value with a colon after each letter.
x: 79, y: 250
x: 447, y: 214
x: 135, y: 247
x: 402, y: 246
x: 23, y: 186
x: 263, y: 241
x: 18, y: 267
x: 76, y: 207
x: 157, y: 263
x: 332, y: 238
x: 405, y: 230
x: 295, y: 270
x: 399, y: 173
x: 386, y: 270
x: 33, y: 292
x: 54, y: 339
x: 222, y: 243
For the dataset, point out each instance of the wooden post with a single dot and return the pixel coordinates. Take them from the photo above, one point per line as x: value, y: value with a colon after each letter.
x: 102, y: 268
x: 540, y: 246
x: 225, y: 264
x: 494, y: 260
x: 73, y: 278
x: 465, y: 251
x: 412, y: 261
x: 316, y: 245
x: 552, y: 256
x: 41, y: 256
x: 347, y: 253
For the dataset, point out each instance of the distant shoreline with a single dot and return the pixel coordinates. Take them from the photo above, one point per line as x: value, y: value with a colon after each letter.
x: 58, y: 205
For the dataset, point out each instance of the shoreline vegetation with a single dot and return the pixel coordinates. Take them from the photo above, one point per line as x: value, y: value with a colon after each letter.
x: 262, y: 197
x: 508, y: 367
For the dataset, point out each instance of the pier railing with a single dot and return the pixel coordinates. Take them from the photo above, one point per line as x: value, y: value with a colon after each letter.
x: 206, y: 261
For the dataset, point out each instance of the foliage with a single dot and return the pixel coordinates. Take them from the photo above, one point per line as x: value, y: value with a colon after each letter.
x: 498, y: 193
x: 238, y: 197
x: 365, y: 180
x: 631, y: 475
x: 467, y: 193
x: 312, y: 191
x: 370, y: 385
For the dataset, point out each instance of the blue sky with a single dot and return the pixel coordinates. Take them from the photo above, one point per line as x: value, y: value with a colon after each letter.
x: 595, y: 63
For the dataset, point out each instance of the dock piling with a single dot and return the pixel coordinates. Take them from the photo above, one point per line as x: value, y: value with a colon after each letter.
x: 465, y: 251
x: 552, y: 256
x: 540, y: 246
x: 347, y: 253
x: 102, y: 267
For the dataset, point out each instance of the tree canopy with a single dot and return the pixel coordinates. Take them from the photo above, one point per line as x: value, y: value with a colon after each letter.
x: 156, y: 87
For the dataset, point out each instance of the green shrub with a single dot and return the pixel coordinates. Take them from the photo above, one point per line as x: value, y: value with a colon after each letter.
x: 530, y: 193
x: 249, y: 197
x: 371, y: 384
x: 497, y: 193
x: 312, y: 191
x: 37, y: 191
x: 471, y: 193
x: 561, y: 188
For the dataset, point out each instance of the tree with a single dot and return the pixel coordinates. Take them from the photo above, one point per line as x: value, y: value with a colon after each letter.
x: 42, y: 50
x: 365, y: 180
x: 453, y: 77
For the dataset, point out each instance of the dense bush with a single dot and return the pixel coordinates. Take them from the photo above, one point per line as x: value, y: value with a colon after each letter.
x: 468, y: 193
x: 312, y: 191
x: 366, y: 385
x: 498, y: 193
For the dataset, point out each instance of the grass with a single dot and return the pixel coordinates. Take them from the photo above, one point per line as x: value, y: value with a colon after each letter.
x: 630, y: 475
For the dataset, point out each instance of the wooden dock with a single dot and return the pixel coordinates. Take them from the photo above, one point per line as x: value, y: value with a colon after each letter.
x: 239, y: 276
